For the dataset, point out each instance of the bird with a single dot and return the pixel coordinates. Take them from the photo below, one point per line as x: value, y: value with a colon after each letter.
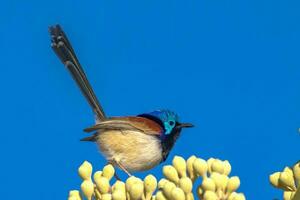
x: 131, y: 143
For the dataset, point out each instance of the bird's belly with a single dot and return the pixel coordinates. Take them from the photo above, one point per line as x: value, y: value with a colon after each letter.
x: 136, y: 151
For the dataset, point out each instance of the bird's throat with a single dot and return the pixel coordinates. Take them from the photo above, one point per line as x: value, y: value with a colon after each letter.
x: 168, y: 142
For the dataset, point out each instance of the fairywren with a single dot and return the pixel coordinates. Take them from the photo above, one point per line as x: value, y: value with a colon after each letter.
x: 132, y: 143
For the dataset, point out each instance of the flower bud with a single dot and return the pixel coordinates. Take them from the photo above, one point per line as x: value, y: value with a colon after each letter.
x: 296, y: 170
x: 227, y: 167
x: 190, y: 168
x: 186, y: 185
x: 274, y: 179
x: 180, y: 165
x: 209, y: 164
x: 239, y: 196
x: 106, y: 197
x: 75, y: 195
x: 167, y: 189
x: 136, y: 191
x: 209, y: 195
x: 200, y: 192
x: 85, y: 170
x: 287, y: 181
x: 118, y: 195
x: 160, y: 196
x: 119, y: 185
x: 150, y: 184
x: 170, y: 173
x: 208, y: 185
x: 161, y: 183
x: 177, y: 194
x: 108, y: 171
x: 87, y: 188
x: 233, y: 184
x: 217, y: 166
x: 102, y: 184
x: 200, y: 167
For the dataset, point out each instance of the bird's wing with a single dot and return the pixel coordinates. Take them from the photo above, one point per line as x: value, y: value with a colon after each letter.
x: 141, y: 124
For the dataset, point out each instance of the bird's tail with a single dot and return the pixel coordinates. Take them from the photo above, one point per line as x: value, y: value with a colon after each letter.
x: 63, y: 49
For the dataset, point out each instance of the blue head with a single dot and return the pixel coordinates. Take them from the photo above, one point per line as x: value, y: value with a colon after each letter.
x: 172, y: 128
x: 167, y: 119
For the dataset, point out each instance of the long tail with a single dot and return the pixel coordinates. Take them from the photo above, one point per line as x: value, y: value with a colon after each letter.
x: 63, y: 49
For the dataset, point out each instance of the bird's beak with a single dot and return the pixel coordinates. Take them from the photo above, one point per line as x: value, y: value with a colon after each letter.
x: 184, y: 125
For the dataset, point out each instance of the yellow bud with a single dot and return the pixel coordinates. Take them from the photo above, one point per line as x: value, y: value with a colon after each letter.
x: 200, y: 192
x: 97, y: 194
x: 209, y: 163
x: 233, y: 184
x: 296, y: 196
x: 102, y: 184
x: 200, y: 167
x: 186, y: 185
x: 224, y: 180
x: 170, y: 173
x: 72, y: 198
x: 131, y: 181
x: 232, y: 196
x: 118, y: 195
x: 85, y: 170
x: 150, y: 184
x: 208, y: 185
x: 87, y: 188
x: 288, y: 170
x: 189, y: 196
x: 106, y: 197
x: 177, y: 194
x: 287, y: 181
x: 217, y: 166
x: 227, y: 167
x: 180, y: 165
x: 160, y: 196
x: 274, y: 179
x: 287, y: 195
x: 296, y: 170
x: 136, y: 191
x: 119, y: 185
x: 209, y: 195
x: 216, y: 177
x: 190, y: 168
x: 97, y: 175
x: 162, y: 182
x: 239, y: 196
x: 74, y: 193
x: 108, y: 171
x: 167, y: 189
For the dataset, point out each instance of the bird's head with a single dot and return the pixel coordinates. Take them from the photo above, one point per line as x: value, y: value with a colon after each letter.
x: 168, y: 120
x: 172, y: 128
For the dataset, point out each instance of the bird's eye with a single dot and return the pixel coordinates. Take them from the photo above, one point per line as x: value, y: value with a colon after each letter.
x: 171, y: 123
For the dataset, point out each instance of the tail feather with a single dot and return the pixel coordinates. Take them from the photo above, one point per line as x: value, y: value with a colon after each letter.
x: 63, y: 49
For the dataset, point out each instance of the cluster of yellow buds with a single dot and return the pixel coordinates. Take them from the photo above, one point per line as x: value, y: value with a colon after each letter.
x: 289, y: 181
x: 177, y: 184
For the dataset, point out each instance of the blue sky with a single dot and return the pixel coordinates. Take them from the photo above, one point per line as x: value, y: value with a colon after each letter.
x: 230, y: 67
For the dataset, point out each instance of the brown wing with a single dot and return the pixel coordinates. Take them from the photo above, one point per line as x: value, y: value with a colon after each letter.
x: 142, y: 124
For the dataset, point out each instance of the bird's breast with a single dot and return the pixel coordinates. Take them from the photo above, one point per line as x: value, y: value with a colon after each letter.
x: 136, y: 151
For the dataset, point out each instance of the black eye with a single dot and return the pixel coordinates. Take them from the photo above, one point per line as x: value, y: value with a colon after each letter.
x: 171, y: 123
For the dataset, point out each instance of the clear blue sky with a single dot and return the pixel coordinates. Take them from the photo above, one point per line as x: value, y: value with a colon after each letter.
x: 230, y: 67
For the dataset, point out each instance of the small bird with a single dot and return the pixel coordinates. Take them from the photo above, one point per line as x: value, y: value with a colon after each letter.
x: 132, y: 143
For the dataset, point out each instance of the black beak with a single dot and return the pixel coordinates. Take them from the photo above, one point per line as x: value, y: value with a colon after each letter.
x: 184, y: 125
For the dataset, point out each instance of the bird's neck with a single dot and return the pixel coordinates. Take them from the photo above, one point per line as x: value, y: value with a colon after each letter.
x: 168, y: 142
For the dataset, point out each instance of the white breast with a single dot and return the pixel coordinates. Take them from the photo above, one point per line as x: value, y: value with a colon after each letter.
x: 135, y: 150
